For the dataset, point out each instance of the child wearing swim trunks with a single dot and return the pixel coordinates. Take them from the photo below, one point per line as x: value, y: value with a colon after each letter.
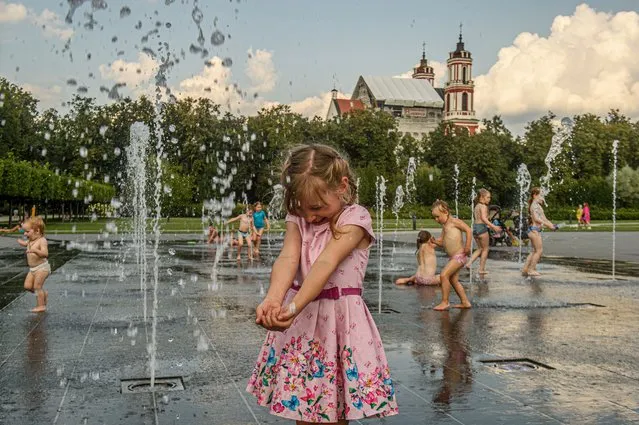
x: 452, y: 241
x: 37, y: 259
x: 260, y: 221
x: 244, y: 233
x: 426, y: 262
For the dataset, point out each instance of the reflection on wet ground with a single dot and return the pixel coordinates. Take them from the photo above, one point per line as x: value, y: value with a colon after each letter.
x: 66, y: 366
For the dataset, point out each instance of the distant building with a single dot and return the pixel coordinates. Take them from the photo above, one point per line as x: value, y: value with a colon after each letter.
x: 417, y: 105
x: 339, y: 107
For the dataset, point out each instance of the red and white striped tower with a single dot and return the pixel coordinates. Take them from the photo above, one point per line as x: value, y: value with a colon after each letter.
x: 459, y: 93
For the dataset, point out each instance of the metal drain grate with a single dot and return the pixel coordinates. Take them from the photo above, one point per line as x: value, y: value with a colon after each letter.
x: 143, y: 385
x: 516, y: 365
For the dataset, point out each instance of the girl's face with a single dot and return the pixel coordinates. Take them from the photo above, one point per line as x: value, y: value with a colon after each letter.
x: 486, y: 198
x: 439, y: 215
x: 30, y: 232
x: 258, y: 208
x: 319, y: 211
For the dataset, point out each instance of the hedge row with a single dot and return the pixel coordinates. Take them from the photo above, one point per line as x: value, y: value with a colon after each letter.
x: 24, y: 180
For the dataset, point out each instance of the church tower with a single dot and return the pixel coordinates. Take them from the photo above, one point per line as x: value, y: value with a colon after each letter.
x: 423, y: 70
x: 459, y: 92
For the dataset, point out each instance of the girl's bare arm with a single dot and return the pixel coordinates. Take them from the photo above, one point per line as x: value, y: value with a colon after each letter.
x: 334, y: 253
x: 286, y: 265
x: 469, y: 233
x: 22, y: 242
x: 483, y: 215
x: 233, y: 219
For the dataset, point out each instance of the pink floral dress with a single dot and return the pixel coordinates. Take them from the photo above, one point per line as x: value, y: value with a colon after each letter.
x: 330, y: 364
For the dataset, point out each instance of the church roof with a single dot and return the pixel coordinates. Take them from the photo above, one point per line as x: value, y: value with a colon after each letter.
x: 404, y: 91
x: 347, y: 105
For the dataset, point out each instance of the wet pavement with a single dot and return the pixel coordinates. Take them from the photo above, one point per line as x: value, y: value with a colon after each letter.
x: 66, y: 366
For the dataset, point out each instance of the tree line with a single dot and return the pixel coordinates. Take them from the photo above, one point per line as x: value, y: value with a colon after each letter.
x: 208, y: 151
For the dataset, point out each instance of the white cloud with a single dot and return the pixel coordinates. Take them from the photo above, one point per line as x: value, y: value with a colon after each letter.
x: 315, y: 105
x: 439, y: 68
x: 51, y: 23
x: 133, y: 74
x: 12, y: 12
x: 588, y: 63
x: 261, y: 71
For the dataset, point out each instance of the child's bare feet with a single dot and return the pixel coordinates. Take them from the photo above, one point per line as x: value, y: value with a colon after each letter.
x: 524, y: 272
x: 463, y: 305
x: 534, y: 274
x: 39, y: 309
x: 483, y: 272
x: 442, y: 306
x: 239, y: 258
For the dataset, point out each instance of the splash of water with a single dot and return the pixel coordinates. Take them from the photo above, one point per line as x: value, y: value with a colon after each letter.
x: 397, y: 206
x: 456, y: 178
x: 410, y: 187
x: 380, y: 195
x: 472, y: 221
x: 561, y: 135
x: 136, y: 154
x: 615, y: 146
x: 523, y: 180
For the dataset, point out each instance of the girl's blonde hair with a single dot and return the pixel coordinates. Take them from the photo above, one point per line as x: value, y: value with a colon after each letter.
x: 442, y: 206
x: 480, y: 194
x: 311, y: 170
x: 36, y: 223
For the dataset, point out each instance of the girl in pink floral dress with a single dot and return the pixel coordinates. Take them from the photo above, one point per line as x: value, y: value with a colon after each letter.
x: 323, y: 359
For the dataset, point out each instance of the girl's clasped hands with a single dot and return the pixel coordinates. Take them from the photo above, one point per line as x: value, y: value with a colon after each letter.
x: 271, y: 316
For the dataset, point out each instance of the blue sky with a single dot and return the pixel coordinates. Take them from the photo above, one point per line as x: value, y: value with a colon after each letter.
x: 309, y: 45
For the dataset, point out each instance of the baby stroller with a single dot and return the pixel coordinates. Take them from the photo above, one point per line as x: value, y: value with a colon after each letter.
x: 502, y: 237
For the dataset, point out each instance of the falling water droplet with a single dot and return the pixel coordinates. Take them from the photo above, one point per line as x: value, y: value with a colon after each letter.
x: 217, y: 38
x: 172, y: 128
x: 44, y: 152
x: 103, y: 130
x: 117, y: 151
x: 84, y: 152
x: 169, y: 271
x: 114, y: 39
x: 125, y: 11
x: 171, y: 251
x: 47, y: 136
x: 138, y: 25
x: 197, y: 15
x: 72, y: 82
x: 228, y: 62
x: 83, y: 89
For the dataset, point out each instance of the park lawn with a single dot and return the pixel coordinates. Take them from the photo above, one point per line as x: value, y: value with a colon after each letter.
x: 194, y: 225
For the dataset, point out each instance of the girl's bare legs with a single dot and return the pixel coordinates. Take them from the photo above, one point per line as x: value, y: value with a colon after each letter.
x: 454, y: 280
x: 405, y: 280
x: 475, y: 255
x: 28, y: 282
x: 240, y: 242
x: 533, y: 258
x: 449, y: 276
x: 484, y: 245
x: 41, y: 294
